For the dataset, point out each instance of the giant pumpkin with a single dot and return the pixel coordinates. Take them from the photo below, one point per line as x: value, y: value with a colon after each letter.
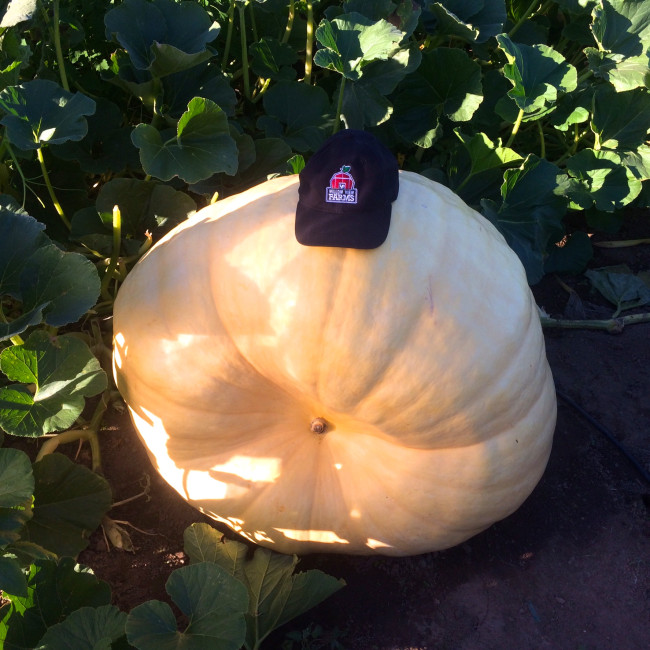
x: 395, y: 400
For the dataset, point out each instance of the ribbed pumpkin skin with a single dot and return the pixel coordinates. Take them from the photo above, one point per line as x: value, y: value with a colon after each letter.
x: 424, y: 356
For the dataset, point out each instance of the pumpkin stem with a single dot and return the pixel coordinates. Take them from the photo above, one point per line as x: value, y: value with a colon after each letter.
x: 318, y: 425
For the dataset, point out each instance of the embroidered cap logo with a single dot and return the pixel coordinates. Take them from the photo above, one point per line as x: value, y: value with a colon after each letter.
x: 341, y: 188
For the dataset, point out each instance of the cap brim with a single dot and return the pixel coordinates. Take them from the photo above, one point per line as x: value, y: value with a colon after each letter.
x: 363, y: 230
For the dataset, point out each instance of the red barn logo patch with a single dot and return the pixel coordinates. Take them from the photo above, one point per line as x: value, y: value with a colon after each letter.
x: 341, y: 188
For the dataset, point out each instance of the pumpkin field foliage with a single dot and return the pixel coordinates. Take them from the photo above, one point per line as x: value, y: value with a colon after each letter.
x: 120, y: 119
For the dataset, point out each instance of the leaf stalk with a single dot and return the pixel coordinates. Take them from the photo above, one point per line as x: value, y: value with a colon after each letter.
x: 244, y: 50
x: 309, y: 46
x: 115, y: 253
x: 50, y: 189
x: 339, y: 107
x: 515, y: 127
x: 57, y: 46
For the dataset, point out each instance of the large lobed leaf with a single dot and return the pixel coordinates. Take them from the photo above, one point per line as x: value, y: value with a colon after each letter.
x: 351, y: 41
x: 213, y: 601
x: 55, y: 589
x: 56, y: 375
x: 162, y: 37
x: 201, y: 146
x: 275, y: 593
x: 52, y: 285
x: 40, y: 112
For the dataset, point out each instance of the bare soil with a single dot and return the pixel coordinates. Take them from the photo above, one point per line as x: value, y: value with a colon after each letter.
x: 569, y: 570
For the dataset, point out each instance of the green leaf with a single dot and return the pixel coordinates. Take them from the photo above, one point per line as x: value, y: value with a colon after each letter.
x: 276, y: 595
x: 87, y: 628
x: 40, y: 112
x: 58, y: 373
x: 52, y: 285
x: 55, y: 589
x: 145, y: 205
x: 68, y: 282
x: 200, y: 81
x: 351, y: 41
x: 271, y: 154
x: 16, y: 479
x: 16, y: 490
x: 272, y: 59
x: 531, y: 212
x: 12, y: 578
x: 106, y: 147
x: 201, y: 147
x: 620, y: 286
x: 574, y: 108
x: 303, y: 130
x: 448, y: 83
x: 20, y: 236
x: 470, y: 21
x: 602, y: 181
x: 623, y: 72
x: 622, y: 26
x: 162, y: 37
x: 538, y: 74
x: 364, y: 101
x: 485, y: 155
x: 621, y: 120
x: 69, y: 503
x: 571, y: 255
x: 212, y: 600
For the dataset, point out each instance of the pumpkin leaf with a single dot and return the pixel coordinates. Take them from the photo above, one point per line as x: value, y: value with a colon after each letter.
x: 538, y: 74
x: 12, y: 577
x: 202, y: 145
x: 87, y: 627
x: 145, y: 205
x: 572, y: 256
x: 212, y: 600
x: 303, y: 130
x: 621, y: 120
x: 162, y: 37
x: 20, y: 236
x: 57, y: 374
x: 272, y: 59
x: 364, y: 101
x: 601, y: 181
x: 484, y: 156
x: 622, y: 26
x: 53, y: 286
x: 624, y: 73
x: 16, y: 490
x: 40, y: 112
x: 55, y: 589
x: 620, y: 286
x: 531, y: 211
x: 69, y: 503
x: 351, y: 41
x: 446, y: 83
x: 276, y: 594
x: 106, y: 147
x: 16, y: 480
x: 470, y: 21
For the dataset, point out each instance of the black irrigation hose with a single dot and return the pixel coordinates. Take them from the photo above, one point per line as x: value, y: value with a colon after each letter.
x: 607, y: 433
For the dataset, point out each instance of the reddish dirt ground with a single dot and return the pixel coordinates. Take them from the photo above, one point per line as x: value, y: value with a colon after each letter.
x: 570, y: 570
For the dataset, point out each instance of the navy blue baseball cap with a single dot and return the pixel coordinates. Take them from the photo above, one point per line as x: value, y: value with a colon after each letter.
x: 346, y: 192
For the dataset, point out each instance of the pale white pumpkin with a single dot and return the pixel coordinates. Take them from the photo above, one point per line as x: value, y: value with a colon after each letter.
x: 424, y: 358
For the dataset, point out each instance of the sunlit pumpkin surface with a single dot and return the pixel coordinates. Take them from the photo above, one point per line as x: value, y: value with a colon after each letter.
x: 423, y: 359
